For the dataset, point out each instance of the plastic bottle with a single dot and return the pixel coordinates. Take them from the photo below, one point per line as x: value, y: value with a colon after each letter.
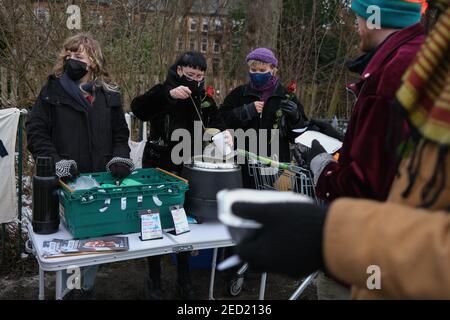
x: 45, y: 197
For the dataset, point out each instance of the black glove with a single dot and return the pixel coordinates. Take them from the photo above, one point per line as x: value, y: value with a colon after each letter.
x: 290, y: 241
x: 326, y: 128
x: 67, y: 170
x: 120, y: 168
x: 290, y: 108
x: 316, y: 149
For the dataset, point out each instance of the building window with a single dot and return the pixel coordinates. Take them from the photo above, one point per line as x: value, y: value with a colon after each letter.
x: 42, y: 14
x: 193, y: 24
x: 216, y: 47
x: 205, y: 45
x: 180, y: 44
x: 205, y: 25
x: 218, y: 25
x: 192, y: 44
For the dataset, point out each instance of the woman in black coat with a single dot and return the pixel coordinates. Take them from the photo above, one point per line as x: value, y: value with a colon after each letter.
x: 177, y: 103
x: 264, y: 104
x: 78, y: 121
x: 78, y: 118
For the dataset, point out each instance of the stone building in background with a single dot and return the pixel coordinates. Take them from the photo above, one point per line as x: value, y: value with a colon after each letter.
x: 206, y: 26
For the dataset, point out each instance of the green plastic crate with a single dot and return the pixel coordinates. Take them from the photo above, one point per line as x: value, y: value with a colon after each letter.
x: 101, y: 211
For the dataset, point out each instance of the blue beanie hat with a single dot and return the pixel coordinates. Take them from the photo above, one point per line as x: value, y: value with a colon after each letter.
x: 396, y: 14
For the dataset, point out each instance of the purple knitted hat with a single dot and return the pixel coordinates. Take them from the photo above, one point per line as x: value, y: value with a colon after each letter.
x: 264, y: 55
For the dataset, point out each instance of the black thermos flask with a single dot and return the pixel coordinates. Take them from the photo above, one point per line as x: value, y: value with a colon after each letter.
x: 45, y: 197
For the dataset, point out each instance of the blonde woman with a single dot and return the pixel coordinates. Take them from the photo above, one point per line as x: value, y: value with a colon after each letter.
x: 78, y: 121
x: 78, y: 117
x: 264, y: 103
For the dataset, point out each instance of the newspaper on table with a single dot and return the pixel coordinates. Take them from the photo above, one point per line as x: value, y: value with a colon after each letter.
x: 61, y: 248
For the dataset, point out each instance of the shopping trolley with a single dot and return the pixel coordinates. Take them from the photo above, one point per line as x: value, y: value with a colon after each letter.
x: 273, y: 175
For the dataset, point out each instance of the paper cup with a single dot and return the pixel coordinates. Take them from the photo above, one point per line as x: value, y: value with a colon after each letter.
x: 221, y: 144
x: 240, y: 228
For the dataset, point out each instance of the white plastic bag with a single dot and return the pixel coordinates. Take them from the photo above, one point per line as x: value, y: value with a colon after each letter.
x: 84, y: 183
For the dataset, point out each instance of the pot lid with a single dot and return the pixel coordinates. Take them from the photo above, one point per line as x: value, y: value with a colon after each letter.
x: 206, y: 163
x: 215, y: 166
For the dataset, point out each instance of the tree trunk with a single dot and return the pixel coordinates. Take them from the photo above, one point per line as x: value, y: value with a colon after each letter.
x: 261, y: 29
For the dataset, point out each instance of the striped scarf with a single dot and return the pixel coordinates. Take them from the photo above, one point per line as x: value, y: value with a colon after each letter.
x: 425, y: 98
x: 425, y: 94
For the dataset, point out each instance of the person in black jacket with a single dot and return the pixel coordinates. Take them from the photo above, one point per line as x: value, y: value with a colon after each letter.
x: 175, y: 104
x: 78, y: 120
x: 264, y: 103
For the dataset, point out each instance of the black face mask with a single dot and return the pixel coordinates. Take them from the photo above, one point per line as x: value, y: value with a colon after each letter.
x: 195, y: 86
x: 75, y: 69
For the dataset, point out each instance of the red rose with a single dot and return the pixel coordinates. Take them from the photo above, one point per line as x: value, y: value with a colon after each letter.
x: 292, y: 87
x: 210, y: 91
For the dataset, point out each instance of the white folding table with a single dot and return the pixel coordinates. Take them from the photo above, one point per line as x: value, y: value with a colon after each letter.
x: 211, y: 235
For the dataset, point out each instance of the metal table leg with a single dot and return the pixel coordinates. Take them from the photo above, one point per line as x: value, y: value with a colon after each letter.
x: 262, y: 288
x: 41, y: 284
x: 213, y: 274
x: 303, y: 286
x: 58, y: 285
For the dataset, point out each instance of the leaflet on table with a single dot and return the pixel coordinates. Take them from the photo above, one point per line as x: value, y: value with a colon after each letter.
x: 104, y: 244
x: 151, y: 228
x: 101, y: 244
x: 180, y: 220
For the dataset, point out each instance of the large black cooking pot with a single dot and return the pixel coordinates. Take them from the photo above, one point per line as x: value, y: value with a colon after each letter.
x: 205, y: 181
